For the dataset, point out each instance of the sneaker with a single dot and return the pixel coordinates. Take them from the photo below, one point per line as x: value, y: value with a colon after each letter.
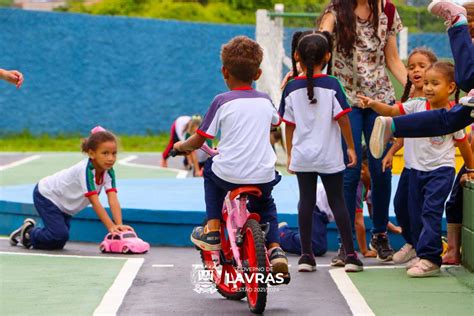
x: 424, y: 268
x: 282, y: 224
x: 353, y: 264
x: 410, y: 264
x: 405, y: 254
x: 209, y: 241
x: 381, y: 134
x: 467, y: 101
x: 340, y: 259
x: 278, y: 261
x: 26, y: 228
x: 14, y: 236
x: 381, y: 244
x: 446, y: 9
x: 307, y: 263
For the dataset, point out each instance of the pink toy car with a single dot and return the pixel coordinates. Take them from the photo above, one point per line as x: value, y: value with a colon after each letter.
x: 124, y: 242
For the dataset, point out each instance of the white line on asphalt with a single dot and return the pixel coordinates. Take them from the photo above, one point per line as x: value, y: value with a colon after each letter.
x: 354, y: 299
x: 181, y: 174
x: 62, y: 256
x: 114, y: 297
x: 19, y: 162
x: 163, y: 265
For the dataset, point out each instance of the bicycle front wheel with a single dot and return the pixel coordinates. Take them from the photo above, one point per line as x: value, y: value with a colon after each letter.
x: 255, y: 265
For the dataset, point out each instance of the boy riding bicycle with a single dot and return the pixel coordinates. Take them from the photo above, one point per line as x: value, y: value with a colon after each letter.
x: 243, y: 117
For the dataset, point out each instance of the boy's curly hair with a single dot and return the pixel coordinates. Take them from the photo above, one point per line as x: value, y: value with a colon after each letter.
x: 242, y: 58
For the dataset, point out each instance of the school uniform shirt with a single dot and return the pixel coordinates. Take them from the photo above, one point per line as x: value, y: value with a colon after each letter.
x: 68, y: 189
x: 180, y: 125
x: 243, y: 117
x: 317, y: 137
x: 430, y: 153
x: 408, y: 143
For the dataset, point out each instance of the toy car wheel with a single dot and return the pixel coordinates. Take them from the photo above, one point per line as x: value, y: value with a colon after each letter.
x: 125, y: 249
x: 102, y: 248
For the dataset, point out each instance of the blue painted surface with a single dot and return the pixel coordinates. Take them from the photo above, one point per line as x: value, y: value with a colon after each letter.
x: 162, y: 211
x: 130, y: 75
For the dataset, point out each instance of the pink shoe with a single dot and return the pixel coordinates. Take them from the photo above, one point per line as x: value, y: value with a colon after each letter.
x: 446, y: 9
x: 381, y: 134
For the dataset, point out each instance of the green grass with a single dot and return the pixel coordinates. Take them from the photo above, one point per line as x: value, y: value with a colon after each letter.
x: 25, y: 141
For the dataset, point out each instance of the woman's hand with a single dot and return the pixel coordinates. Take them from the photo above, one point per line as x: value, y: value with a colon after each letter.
x: 365, y: 102
x: 351, y: 155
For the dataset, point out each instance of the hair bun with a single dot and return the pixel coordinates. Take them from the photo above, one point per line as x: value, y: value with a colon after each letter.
x: 97, y: 129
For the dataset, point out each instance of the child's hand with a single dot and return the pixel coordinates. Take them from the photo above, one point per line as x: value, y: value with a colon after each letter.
x: 288, y: 162
x: 179, y: 148
x: 387, y: 162
x: 119, y: 228
x: 13, y: 76
x: 285, y: 80
x: 351, y: 154
x: 466, y: 177
x: 365, y: 102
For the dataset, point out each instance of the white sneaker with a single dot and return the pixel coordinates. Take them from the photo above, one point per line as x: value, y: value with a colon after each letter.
x: 381, y: 134
x: 467, y: 101
x: 424, y: 268
x: 405, y: 254
x: 410, y: 264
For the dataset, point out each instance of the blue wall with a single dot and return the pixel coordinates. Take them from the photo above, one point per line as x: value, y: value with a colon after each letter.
x: 129, y: 75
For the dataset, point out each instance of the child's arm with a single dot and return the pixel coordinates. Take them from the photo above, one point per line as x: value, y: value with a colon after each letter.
x: 192, y: 143
x: 387, y: 161
x: 289, y: 130
x: 379, y: 107
x: 104, y: 217
x: 345, y: 126
x: 12, y: 76
x: 467, y: 155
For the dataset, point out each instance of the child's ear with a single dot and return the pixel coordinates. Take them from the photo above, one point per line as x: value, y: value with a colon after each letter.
x: 452, y: 87
x: 91, y: 154
x: 258, y: 74
x: 225, y: 73
x: 327, y: 57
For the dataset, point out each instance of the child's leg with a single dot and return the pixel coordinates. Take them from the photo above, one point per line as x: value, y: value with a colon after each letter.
x: 307, y: 188
x: 333, y: 184
x: 463, y: 53
x: 289, y: 240
x: 454, y: 218
x: 173, y: 139
x: 415, y: 204
x: 319, y: 234
x: 400, y: 204
x: 360, y: 231
x: 433, y: 123
x: 55, y: 232
x: 436, y: 190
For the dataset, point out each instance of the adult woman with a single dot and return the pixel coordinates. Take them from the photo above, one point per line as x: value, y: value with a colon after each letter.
x: 365, y: 44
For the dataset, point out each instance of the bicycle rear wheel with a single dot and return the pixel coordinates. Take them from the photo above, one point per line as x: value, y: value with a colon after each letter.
x: 224, y: 274
x: 254, y: 258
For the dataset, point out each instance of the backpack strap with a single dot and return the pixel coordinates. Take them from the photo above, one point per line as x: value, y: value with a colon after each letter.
x: 389, y: 10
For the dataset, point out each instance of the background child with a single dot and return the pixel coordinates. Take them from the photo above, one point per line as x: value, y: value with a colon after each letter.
x: 432, y: 172
x: 181, y: 126
x: 314, y: 109
x: 418, y: 60
x: 12, y: 76
x: 243, y: 117
x: 62, y: 195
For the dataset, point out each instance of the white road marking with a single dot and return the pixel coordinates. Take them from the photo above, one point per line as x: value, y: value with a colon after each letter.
x: 19, y: 162
x: 163, y: 265
x: 354, y: 299
x: 181, y: 174
x: 58, y: 255
x: 114, y: 297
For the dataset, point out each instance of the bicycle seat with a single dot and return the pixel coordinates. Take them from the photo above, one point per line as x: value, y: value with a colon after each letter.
x: 246, y: 189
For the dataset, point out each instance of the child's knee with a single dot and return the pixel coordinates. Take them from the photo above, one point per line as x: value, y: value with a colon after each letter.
x: 61, y: 237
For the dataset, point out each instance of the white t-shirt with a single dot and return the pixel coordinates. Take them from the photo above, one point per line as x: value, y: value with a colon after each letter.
x: 317, y: 138
x: 180, y: 125
x: 244, y: 118
x: 68, y: 189
x: 430, y: 153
